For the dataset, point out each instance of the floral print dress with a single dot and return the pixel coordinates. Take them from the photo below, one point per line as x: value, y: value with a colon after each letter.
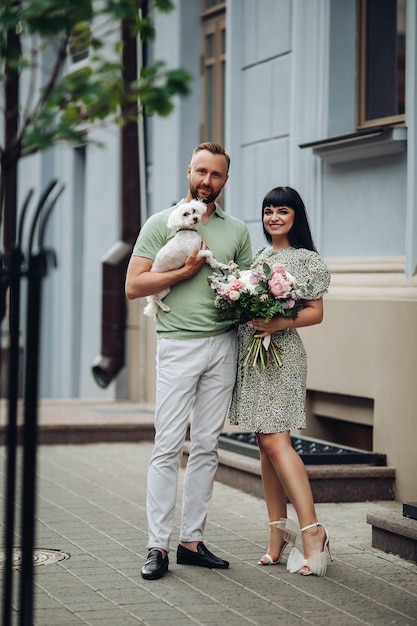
x: 272, y: 399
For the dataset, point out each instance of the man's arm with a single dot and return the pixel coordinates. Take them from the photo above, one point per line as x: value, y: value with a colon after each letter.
x: 141, y: 282
x: 245, y: 257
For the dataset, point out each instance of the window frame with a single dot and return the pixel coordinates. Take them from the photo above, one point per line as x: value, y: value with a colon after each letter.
x: 213, y: 24
x: 361, y: 120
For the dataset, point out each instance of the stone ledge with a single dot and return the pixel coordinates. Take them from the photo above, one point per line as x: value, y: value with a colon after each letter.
x: 58, y: 434
x: 394, y: 523
x: 394, y: 534
x: 329, y: 483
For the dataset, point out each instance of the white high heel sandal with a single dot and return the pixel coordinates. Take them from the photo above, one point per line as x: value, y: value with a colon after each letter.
x: 316, y: 564
x: 290, y: 530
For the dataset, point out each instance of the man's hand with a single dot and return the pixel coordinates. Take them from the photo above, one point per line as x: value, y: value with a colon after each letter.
x: 193, y: 262
x: 141, y: 282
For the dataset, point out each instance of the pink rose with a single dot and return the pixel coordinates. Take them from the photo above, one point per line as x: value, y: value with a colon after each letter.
x: 278, y: 285
x: 234, y: 283
x: 234, y: 295
x: 279, y: 269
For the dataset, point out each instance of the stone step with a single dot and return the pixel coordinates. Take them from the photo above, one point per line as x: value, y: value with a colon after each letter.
x: 60, y: 434
x: 313, y: 451
x: 329, y: 483
x: 78, y: 423
x: 410, y: 509
x: 394, y: 533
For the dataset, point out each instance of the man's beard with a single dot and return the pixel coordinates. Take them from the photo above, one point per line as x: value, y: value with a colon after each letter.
x: 206, y: 199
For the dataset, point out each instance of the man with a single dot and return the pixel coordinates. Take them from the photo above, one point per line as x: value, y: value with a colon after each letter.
x: 196, y: 365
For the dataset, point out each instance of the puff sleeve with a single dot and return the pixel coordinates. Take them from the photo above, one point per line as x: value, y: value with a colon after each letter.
x: 314, y: 270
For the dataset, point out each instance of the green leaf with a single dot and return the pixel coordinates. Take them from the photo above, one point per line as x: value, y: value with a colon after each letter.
x: 267, y: 270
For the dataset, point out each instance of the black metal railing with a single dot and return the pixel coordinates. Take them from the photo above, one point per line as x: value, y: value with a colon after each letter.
x: 28, y: 263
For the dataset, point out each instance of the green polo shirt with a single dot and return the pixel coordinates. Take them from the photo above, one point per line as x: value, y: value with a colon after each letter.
x: 193, y: 314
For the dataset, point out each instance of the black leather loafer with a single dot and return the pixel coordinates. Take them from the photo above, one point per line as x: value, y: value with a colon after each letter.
x: 203, y: 557
x: 156, y: 565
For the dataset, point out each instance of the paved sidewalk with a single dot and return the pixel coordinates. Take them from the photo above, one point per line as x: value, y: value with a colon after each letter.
x: 91, y: 505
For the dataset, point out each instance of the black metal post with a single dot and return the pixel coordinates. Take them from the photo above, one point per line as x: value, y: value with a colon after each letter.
x: 30, y: 437
x: 37, y: 270
x: 11, y: 432
x: 13, y: 268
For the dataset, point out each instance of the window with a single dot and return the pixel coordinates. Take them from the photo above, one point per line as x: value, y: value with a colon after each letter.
x: 79, y: 42
x: 381, y: 62
x: 213, y: 70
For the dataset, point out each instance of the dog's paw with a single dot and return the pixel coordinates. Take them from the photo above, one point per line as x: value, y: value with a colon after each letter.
x: 151, y: 309
x: 216, y: 265
x: 209, y: 256
x: 155, y: 303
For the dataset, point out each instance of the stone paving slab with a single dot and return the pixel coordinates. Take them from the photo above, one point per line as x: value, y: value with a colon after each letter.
x: 91, y: 505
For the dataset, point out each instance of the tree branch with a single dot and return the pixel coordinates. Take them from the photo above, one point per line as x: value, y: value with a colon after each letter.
x: 49, y: 85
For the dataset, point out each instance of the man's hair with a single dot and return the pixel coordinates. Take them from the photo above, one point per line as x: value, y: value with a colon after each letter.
x: 214, y: 148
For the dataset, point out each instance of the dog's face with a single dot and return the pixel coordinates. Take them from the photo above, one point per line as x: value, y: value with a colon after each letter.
x: 187, y: 215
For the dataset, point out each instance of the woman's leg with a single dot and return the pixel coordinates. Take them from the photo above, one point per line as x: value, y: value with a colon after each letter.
x: 291, y: 472
x: 276, y: 503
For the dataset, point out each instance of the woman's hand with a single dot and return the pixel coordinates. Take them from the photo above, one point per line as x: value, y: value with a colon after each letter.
x: 265, y: 328
x: 310, y: 314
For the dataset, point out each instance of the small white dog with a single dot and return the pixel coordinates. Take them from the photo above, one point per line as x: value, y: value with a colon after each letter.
x: 185, y: 219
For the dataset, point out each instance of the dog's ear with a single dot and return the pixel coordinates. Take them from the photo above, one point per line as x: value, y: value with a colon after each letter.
x: 199, y: 206
x: 173, y: 218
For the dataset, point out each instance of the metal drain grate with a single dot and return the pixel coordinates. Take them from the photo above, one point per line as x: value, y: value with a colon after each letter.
x: 312, y: 451
x: 40, y: 557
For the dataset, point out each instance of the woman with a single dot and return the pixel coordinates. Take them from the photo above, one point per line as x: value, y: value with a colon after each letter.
x: 271, y: 402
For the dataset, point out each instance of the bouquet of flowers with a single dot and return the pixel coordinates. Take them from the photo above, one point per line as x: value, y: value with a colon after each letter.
x: 264, y: 291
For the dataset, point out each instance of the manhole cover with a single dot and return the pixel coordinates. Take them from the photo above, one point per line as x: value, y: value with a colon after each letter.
x: 40, y: 557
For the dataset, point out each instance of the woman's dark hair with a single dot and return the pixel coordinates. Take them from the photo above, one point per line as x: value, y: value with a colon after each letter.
x: 300, y: 233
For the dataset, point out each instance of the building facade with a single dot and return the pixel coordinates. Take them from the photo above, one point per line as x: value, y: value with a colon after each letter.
x: 296, y: 91
x: 302, y: 108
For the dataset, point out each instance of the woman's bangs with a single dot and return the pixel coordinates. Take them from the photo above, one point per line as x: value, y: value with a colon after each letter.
x: 278, y: 197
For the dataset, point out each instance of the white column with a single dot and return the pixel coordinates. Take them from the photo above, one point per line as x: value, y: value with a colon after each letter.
x: 411, y: 121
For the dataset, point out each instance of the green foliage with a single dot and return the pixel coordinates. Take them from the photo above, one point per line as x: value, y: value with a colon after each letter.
x: 73, y: 96
x: 158, y: 87
x: 48, y: 18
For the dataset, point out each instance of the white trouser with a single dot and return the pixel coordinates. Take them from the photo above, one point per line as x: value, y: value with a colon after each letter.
x: 195, y: 377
